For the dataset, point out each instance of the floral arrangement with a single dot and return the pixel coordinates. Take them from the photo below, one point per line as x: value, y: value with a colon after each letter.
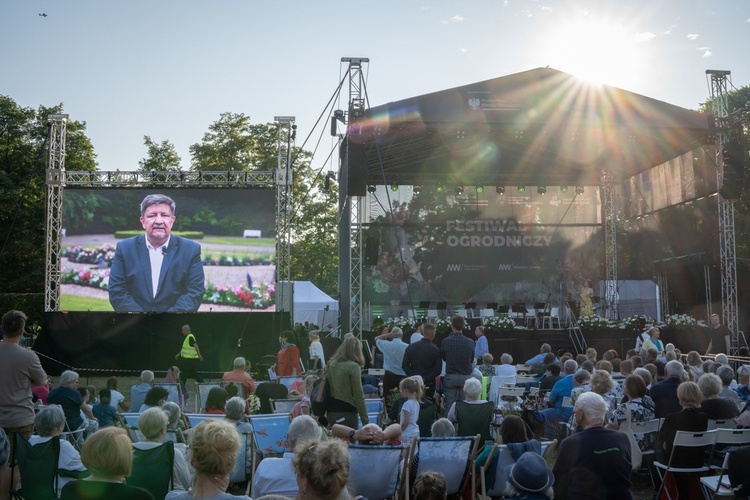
x: 95, y: 278
x: 101, y: 255
x: 229, y: 260
x: 592, y: 322
x: 499, y: 323
x: 257, y: 297
x: 404, y: 323
x: 637, y: 323
x: 679, y: 321
x: 253, y: 403
x: 442, y: 326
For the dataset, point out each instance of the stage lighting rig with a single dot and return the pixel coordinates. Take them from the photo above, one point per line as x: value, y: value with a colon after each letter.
x: 371, y: 189
x: 500, y: 190
x: 439, y: 189
x: 579, y: 190
x: 563, y: 189
x: 394, y: 187
x: 459, y: 190
x: 480, y: 189
x: 417, y: 189
x: 542, y: 190
x: 521, y: 189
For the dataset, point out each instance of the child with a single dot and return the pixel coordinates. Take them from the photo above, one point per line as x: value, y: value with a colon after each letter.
x: 104, y: 412
x: 411, y: 390
x: 303, y: 407
x: 317, y: 358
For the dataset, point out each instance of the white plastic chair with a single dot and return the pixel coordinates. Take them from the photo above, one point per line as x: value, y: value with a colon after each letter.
x: 723, y: 423
x: 689, y: 440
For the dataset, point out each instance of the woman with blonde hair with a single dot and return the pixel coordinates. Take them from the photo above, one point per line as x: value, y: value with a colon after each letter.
x: 695, y: 365
x: 214, y: 444
x: 344, y: 376
x: 322, y: 469
x: 108, y: 456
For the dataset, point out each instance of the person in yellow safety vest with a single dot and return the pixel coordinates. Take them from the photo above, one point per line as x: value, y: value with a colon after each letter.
x: 189, y: 356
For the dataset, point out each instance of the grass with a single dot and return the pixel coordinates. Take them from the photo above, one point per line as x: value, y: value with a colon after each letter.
x: 77, y: 303
x: 235, y: 240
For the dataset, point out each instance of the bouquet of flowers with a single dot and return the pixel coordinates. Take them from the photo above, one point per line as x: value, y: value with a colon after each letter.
x: 499, y: 323
x: 253, y: 402
x: 442, y: 325
x: 637, y: 323
x: 679, y: 321
x: 404, y: 323
x: 592, y: 322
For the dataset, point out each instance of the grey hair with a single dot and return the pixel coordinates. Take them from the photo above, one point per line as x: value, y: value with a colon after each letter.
x: 721, y: 358
x: 726, y: 374
x: 147, y: 376
x: 419, y: 380
x: 472, y: 387
x: 570, y: 366
x: 443, y: 427
x: 710, y: 384
x: 398, y: 331
x: 593, y: 406
x: 49, y: 419
x: 303, y: 428
x: 234, y: 408
x: 239, y: 363
x: 581, y: 377
x: 744, y: 370
x: 155, y: 199
x: 674, y: 368
x: 67, y: 377
x: 152, y: 422
x: 172, y: 410
x: 506, y: 358
x: 645, y: 375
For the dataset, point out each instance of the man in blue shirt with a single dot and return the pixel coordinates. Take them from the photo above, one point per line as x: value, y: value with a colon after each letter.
x: 539, y: 357
x: 560, y: 391
x: 481, y: 346
x: 393, y: 348
x: 458, y: 352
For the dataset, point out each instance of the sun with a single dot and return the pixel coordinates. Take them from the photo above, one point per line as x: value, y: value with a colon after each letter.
x: 596, y: 49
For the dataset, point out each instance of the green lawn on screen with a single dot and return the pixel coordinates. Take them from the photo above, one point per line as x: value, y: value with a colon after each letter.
x: 76, y: 303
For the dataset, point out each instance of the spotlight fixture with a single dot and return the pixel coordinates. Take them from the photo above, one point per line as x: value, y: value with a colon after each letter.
x: 541, y: 190
x: 480, y: 189
x: 579, y: 189
x: 394, y: 187
x: 439, y: 189
x: 371, y: 189
x: 459, y: 190
x: 521, y: 189
x: 563, y: 189
x: 417, y: 189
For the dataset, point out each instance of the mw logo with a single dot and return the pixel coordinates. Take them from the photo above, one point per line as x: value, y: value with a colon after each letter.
x: 505, y: 267
x: 453, y: 267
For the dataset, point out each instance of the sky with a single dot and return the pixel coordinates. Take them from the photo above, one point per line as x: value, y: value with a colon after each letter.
x: 169, y: 68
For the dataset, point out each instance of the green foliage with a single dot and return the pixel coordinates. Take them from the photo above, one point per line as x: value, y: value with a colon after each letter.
x: 159, y: 156
x: 191, y: 235
x: 30, y: 303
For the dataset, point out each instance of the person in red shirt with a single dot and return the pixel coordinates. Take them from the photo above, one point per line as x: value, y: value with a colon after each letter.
x: 42, y: 391
x: 240, y: 376
x: 287, y: 359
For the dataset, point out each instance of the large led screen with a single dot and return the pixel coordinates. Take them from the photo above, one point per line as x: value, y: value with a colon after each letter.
x: 519, y: 244
x: 168, y: 250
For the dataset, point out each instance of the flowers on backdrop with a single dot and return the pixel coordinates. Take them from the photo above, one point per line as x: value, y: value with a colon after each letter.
x: 95, y: 278
x: 232, y: 260
x: 442, y: 325
x: 253, y: 403
x: 257, y: 297
x: 499, y: 323
x: 637, y: 323
x: 405, y: 324
x: 679, y: 321
x: 592, y: 322
x: 101, y: 255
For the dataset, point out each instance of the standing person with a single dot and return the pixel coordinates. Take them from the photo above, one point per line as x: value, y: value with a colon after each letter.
x: 719, y: 337
x: 481, y: 346
x: 458, y: 353
x: 653, y: 342
x: 423, y: 358
x: 19, y: 369
x: 287, y: 359
x: 587, y: 293
x: 594, y: 463
x: 393, y: 349
x: 344, y: 375
x: 171, y: 265
x: 409, y: 414
x: 189, y: 356
x: 317, y: 356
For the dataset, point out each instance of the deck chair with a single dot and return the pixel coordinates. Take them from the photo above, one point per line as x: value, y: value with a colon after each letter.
x: 283, y: 405
x: 374, y: 482
x: 474, y: 419
x: 197, y: 418
x: 689, y: 440
x: 152, y: 469
x: 240, y: 472
x: 38, y: 467
x: 504, y: 458
x: 269, y: 433
x: 267, y: 391
x: 374, y: 405
x: 174, y: 392
x: 203, y: 389
x: 451, y: 456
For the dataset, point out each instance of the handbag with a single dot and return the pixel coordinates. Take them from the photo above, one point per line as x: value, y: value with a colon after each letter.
x: 636, y: 456
x: 320, y: 397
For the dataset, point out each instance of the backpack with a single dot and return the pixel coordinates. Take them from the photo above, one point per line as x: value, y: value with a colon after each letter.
x: 320, y: 397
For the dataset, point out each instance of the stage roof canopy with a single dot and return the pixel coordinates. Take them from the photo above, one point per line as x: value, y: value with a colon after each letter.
x: 538, y: 127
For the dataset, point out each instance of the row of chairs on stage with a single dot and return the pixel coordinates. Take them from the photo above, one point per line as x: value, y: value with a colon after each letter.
x: 537, y: 315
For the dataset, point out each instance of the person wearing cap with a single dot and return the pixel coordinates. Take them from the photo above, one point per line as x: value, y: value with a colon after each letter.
x: 594, y: 463
x: 529, y: 478
x: 370, y: 391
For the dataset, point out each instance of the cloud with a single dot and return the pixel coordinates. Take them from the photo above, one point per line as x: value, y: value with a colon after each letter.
x: 646, y: 36
x: 453, y: 20
x: 703, y: 48
x: 526, y: 13
x: 505, y: 3
x: 707, y: 54
x: 747, y: 20
x: 463, y: 50
x: 546, y: 8
x: 670, y: 30
x: 693, y: 36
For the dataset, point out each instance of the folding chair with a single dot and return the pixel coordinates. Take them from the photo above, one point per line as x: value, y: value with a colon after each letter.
x: 197, y: 418
x: 283, y: 405
x: 241, y: 472
x: 374, y: 482
x: 451, y: 456
x: 496, y: 383
x: 38, y: 467
x: 269, y: 433
x: 726, y: 438
x: 647, y: 427
x: 504, y: 458
x: 725, y: 423
x: 685, y: 439
x: 474, y: 419
x: 203, y: 389
x: 152, y: 469
x: 720, y: 485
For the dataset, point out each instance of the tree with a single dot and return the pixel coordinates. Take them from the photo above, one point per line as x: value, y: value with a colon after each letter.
x: 233, y: 143
x: 23, y: 189
x: 159, y: 156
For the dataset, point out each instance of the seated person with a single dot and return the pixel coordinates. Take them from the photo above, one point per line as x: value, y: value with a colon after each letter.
x: 714, y: 406
x: 153, y: 425
x: 275, y: 475
x: 71, y: 401
x: 105, y: 412
x: 429, y: 485
x: 48, y: 423
x: 215, y: 401
x: 155, y: 398
x: 234, y: 409
x: 472, y: 391
x: 369, y: 434
x: 486, y: 368
x: 322, y: 470
x: 506, y: 368
x: 529, y: 478
x: 177, y: 422
x: 108, y: 455
x: 514, y: 435
x: 138, y: 392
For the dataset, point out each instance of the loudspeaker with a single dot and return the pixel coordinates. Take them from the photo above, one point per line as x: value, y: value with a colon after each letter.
x: 372, y: 249
x: 357, y: 169
x: 733, y: 178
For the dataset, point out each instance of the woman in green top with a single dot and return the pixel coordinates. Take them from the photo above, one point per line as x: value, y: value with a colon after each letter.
x: 345, y: 379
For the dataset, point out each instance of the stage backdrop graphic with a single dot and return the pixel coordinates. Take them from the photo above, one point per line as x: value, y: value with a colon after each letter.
x: 234, y: 227
x: 515, y: 247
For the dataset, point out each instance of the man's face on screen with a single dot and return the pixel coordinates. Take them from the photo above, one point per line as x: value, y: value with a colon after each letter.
x: 157, y: 220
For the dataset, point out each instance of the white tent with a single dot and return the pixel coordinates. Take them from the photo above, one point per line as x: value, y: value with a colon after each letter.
x: 313, y: 305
